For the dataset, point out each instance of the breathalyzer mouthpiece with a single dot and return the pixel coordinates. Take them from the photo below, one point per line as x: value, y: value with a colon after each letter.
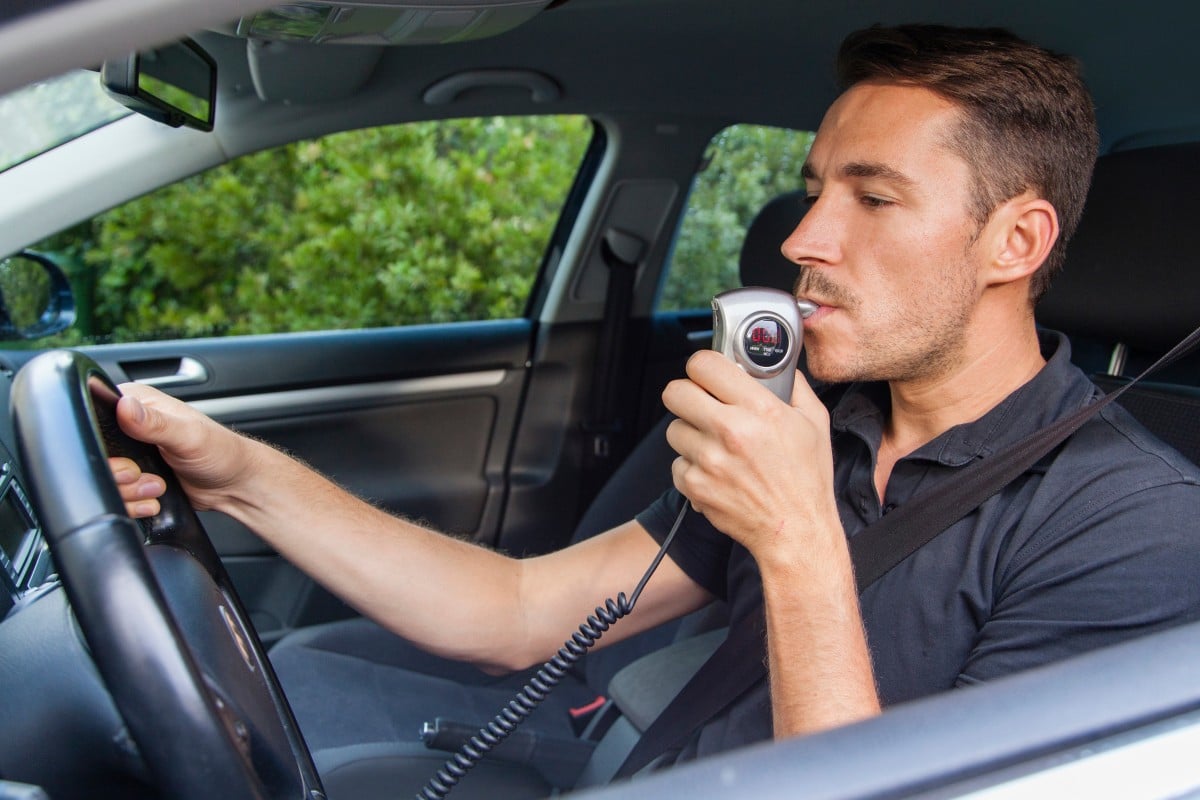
x: 806, y: 308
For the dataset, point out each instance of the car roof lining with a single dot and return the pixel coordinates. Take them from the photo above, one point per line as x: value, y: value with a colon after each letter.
x: 794, y: 39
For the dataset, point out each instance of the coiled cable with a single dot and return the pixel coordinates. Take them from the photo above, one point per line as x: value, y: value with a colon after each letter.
x: 541, y: 684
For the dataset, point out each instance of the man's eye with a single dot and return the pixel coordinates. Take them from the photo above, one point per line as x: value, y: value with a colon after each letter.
x: 872, y: 201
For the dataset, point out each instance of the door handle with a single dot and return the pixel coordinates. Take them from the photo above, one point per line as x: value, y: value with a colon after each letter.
x: 188, y: 371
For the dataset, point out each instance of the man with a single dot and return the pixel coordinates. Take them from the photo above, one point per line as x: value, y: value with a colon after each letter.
x: 943, y: 185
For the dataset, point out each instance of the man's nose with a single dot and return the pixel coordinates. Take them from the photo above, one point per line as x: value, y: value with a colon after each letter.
x: 815, y: 237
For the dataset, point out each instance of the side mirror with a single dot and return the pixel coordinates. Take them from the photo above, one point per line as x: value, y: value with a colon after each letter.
x: 175, y: 84
x: 35, y: 298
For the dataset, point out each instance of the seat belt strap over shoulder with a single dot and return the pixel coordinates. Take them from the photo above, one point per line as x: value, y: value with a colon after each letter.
x: 737, y: 665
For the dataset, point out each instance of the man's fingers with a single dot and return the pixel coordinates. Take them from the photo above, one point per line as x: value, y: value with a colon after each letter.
x: 726, y: 381
x: 685, y: 439
x: 139, y: 490
x: 124, y: 470
x: 142, y: 509
x: 133, y: 484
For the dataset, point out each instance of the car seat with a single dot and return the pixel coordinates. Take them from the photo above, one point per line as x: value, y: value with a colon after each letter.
x: 1130, y: 287
x: 361, y: 694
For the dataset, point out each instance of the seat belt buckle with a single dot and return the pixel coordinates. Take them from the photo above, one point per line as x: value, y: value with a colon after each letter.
x: 581, y: 716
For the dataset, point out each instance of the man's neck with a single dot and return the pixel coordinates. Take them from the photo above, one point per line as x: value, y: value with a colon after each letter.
x: 924, y: 408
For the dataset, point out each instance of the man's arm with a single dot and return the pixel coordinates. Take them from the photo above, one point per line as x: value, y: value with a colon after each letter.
x: 762, y: 473
x: 449, y: 596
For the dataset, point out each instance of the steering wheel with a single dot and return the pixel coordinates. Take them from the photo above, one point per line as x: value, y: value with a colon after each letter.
x: 161, y: 618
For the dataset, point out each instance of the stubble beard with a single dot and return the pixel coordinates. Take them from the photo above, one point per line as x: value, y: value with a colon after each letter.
x: 914, y: 341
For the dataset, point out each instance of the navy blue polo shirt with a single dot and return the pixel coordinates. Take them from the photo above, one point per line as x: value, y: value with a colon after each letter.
x: 1098, y: 543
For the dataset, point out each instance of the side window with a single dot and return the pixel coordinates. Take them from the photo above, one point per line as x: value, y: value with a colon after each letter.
x: 422, y: 222
x: 746, y: 166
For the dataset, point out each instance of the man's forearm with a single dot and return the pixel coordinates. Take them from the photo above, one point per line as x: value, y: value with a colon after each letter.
x: 430, y: 588
x: 449, y: 596
x: 818, y: 659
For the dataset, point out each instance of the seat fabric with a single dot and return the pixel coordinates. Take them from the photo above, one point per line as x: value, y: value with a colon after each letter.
x: 1129, y: 289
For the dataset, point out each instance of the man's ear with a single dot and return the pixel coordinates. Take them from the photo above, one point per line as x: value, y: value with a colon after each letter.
x: 1022, y: 232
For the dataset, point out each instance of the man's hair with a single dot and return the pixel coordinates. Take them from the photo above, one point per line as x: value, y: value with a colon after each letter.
x: 1027, y: 118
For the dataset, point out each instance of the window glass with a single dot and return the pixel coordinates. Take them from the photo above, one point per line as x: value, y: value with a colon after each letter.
x: 424, y: 222
x: 45, y: 114
x: 746, y: 166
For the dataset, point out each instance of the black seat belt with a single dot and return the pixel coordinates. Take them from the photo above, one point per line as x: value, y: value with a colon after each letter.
x: 737, y: 664
x: 621, y: 253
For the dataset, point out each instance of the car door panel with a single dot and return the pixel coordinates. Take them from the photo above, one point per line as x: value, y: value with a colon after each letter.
x: 416, y: 420
x: 426, y: 459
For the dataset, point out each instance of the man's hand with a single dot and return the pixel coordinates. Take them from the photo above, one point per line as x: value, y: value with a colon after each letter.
x: 760, y: 470
x: 140, y: 490
x: 207, y: 457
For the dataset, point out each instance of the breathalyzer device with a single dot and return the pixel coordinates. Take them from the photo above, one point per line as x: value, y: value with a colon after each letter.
x: 761, y: 331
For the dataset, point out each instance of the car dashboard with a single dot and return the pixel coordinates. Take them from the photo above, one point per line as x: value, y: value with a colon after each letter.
x: 25, y: 564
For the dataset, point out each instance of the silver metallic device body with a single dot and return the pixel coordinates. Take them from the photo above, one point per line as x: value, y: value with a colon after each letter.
x: 760, y: 329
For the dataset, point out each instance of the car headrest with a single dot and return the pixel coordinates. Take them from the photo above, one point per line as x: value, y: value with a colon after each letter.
x: 761, y: 263
x: 1132, y: 272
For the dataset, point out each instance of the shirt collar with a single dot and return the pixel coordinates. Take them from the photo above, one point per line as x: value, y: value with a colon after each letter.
x: 1057, y: 388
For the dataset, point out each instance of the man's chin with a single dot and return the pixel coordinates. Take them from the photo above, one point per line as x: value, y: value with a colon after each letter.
x: 830, y: 372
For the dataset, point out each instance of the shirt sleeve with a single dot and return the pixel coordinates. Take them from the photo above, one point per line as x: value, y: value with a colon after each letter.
x: 1129, y: 568
x: 699, y: 549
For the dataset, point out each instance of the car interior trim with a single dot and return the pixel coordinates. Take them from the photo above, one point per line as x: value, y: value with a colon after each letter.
x: 237, y: 409
x: 189, y: 371
x: 1155, y: 765
x: 122, y: 159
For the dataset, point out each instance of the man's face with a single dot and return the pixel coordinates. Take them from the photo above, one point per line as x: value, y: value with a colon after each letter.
x: 886, y: 248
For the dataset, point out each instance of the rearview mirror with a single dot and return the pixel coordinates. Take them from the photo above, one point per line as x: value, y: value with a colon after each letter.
x: 175, y: 84
x: 35, y: 297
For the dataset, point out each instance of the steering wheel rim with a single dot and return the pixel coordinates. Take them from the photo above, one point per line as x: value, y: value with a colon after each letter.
x: 161, y: 618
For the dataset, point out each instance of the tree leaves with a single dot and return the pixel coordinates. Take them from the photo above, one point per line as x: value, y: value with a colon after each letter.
x: 425, y: 222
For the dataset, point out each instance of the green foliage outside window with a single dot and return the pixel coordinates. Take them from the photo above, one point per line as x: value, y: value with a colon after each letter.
x: 748, y: 165
x: 424, y: 222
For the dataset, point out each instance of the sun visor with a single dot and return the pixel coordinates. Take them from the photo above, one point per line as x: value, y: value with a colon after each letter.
x: 298, y: 72
x: 380, y: 22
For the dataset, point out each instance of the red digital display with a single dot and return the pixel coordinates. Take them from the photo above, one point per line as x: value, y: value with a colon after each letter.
x: 765, y: 335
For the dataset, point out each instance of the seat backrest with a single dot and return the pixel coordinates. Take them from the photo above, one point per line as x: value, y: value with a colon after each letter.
x: 1131, y: 271
x: 1130, y: 288
x: 761, y: 263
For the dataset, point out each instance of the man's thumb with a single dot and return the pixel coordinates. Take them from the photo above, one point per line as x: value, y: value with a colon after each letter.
x: 133, y: 417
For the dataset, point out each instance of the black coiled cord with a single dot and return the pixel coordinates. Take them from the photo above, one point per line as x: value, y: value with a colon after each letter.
x: 540, y: 685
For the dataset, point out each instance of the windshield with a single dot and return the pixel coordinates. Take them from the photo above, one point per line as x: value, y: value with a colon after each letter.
x: 46, y: 114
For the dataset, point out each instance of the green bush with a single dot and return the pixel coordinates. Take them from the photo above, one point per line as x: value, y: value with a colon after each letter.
x: 427, y: 222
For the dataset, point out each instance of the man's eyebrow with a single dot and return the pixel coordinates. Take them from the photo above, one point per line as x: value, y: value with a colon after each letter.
x: 863, y: 169
x: 874, y: 169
